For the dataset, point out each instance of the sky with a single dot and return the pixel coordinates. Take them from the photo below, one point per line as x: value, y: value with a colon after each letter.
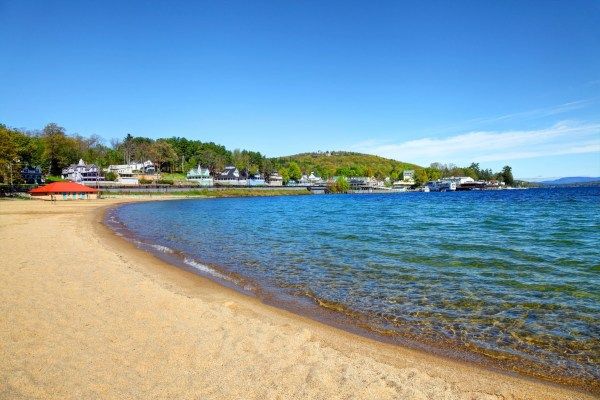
x: 494, y: 82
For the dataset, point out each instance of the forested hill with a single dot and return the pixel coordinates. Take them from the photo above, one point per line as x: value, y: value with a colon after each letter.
x: 327, y: 164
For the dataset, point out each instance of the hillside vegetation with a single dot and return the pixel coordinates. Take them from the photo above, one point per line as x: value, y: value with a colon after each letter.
x: 341, y: 163
x: 53, y: 149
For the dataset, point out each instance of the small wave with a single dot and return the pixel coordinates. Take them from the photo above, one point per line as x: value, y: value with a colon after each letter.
x: 205, y: 268
x: 163, y: 249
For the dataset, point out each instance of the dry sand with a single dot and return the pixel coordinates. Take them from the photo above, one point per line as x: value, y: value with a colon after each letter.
x: 86, y: 315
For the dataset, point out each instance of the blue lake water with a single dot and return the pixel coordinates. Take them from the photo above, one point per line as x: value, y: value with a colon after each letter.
x: 511, y: 276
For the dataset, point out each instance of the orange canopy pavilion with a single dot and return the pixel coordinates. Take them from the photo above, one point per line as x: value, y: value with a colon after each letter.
x: 64, y: 191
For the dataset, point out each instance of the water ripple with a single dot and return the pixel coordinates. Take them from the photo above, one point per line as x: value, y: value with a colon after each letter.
x: 513, y: 275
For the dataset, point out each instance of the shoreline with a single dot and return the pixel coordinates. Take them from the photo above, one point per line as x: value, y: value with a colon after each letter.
x: 340, y: 317
x: 256, y: 349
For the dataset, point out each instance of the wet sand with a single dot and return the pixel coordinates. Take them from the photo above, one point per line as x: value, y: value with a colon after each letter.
x: 85, y: 314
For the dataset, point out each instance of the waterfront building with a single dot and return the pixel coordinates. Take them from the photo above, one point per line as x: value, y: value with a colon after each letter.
x: 230, y: 176
x: 365, y: 183
x: 130, y: 174
x: 64, y: 191
x: 32, y: 175
x: 82, y: 173
x: 402, y: 185
x: 408, y: 180
x: 201, y: 176
x: 303, y: 181
x: 256, y: 180
x: 275, y: 180
x: 134, y: 168
x: 310, y: 180
x: 460, y: 180
x: 441, y: 185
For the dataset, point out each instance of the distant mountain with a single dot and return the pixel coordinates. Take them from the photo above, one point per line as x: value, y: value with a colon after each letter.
x: 571, y: 180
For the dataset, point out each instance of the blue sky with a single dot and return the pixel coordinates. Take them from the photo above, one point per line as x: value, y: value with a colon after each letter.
x: 507, y: 82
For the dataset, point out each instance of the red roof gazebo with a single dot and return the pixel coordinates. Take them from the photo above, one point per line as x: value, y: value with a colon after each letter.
x: 58, y: 188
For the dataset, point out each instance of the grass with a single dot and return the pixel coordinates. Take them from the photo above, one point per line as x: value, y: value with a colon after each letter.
x: 54, y: 178
x: 176, y: 177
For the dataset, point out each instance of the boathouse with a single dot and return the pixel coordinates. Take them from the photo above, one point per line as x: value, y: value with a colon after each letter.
x: 64, y: 191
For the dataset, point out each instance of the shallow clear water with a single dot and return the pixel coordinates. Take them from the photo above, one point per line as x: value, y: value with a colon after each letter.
x: 512, y: 276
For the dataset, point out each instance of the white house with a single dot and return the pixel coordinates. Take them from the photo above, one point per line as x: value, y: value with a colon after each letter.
x: 310, y: 180
x: 459, y: 180
x: 82, y: 173
x: 145, y: 168
x: 275, y: 179
x: 408, y: 180
x: 256, y: 180
x: 200, y: 175
x: 129, y: 174
x: 441, y: 185
x: 402, y: 185
x: 230, y: 177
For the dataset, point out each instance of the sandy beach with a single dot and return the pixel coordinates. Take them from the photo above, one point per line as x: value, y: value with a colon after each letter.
x: 86, y: 315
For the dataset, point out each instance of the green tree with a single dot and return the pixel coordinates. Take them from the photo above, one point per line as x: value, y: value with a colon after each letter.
x: 9, y: 153
x: 507, y: 175
x: 266, y: 167
x: 241, y: 159
x: 59, y: 150
x: 295, y: 173
x: 285, y: 174
x: 432, y: 174
x: 163, y: 155
x: 110, y: 176
x: 341, y: 185
x: 421, y: 176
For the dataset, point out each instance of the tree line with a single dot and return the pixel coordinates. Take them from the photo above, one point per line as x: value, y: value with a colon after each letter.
x: 438, y: 170
x: 53, y: 149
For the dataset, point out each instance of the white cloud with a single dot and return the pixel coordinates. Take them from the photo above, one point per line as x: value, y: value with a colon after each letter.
x: 565, y: 137
x: 529, y: 115
x: 537, y: 113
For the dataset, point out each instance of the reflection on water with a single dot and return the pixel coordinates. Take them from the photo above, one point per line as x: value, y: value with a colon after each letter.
x: 512, y: 275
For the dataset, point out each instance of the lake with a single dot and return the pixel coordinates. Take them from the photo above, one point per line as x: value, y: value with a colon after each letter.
x: 510, y: 278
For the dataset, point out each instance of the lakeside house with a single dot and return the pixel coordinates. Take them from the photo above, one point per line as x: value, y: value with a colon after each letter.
x: 361, y: 183
x: 441, y: 185
x: 408, y: 181
x: 230, y: 176
x: 402, y: 186
x: 310, y: 180
x: 460, y: 180
x: 32, y: 175
x: 146, y: 168
x: 201, y: 176
x: 256, y: 180
x: 64, y: 191
x: 82, y: 173
x: 275, y: 179
x: 130, y: 174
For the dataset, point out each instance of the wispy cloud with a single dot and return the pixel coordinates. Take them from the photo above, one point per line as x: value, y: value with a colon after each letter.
x: 566, y: 137
x: 529, y: 115
x: 537, y: 113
